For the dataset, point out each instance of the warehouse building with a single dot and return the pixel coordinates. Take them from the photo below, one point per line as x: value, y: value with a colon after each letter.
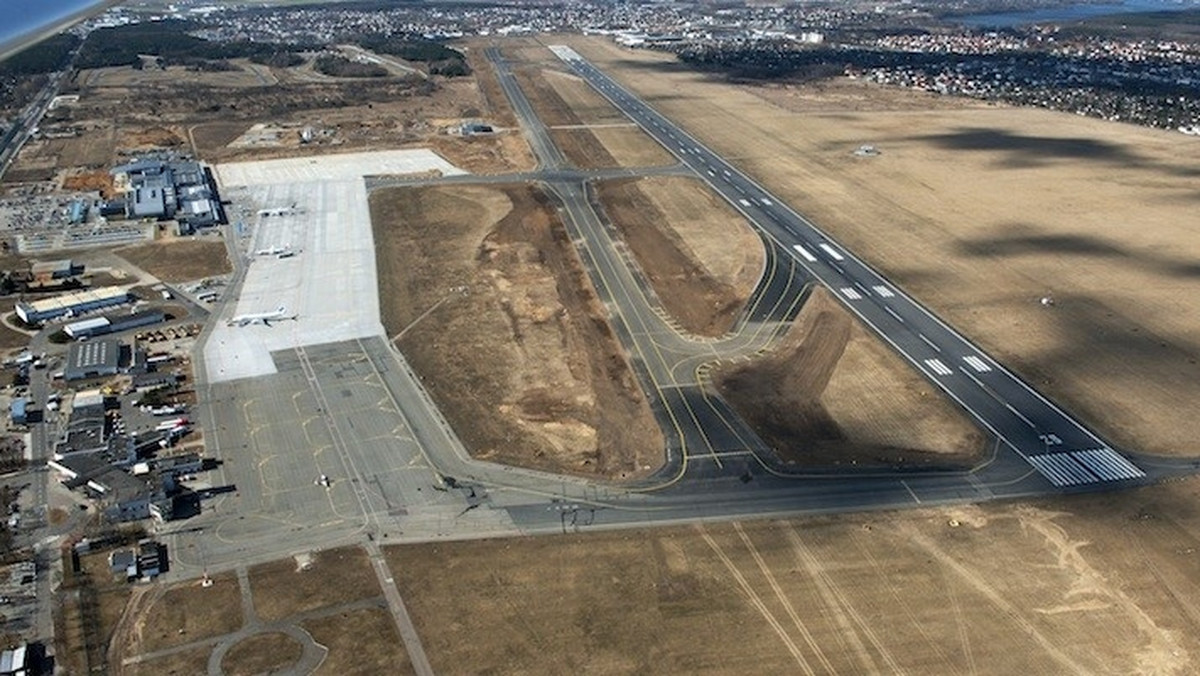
x: 93, y: 359
x: 45, y: 271
x: 39, y: 311
x: 98, y: 326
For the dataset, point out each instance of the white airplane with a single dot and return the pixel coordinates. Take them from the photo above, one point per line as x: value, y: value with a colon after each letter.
x: 273, y: 251
x: 323, y: 480
x: 264, y: 318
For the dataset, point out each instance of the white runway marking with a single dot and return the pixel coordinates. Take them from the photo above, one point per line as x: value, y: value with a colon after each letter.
x: 804, y: 253
x: 883, y: 291
x: 938, y: 367
x: 977, y: 364
x: 850, y: 293
x: 744, y: 203
x: 766, y: 201
x: 1094, y: 465
x: 833, y: 253
x: 1109, y: 463
x: 892, y: 312
x: 929, y: 342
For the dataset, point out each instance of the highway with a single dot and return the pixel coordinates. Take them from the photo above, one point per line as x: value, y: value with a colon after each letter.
x: 1055, y: 444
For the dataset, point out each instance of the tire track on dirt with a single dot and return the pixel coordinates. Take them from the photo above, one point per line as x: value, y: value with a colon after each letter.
x: 783, y: 600
x: 757, y: 602
x: 844, y: 613
x: 995, y: 598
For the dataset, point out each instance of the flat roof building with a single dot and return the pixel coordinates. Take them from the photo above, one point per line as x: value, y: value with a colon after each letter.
x: 60, y: 269
x: 40, y: 311
x: 97, y: 326
x: 92, y: 359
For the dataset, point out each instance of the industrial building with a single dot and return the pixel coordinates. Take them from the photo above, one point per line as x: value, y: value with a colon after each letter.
x: 92, y: 359
x: 164, y: 187
x: 45, y: 271
x: 39, y: 311
x: 98, y: 326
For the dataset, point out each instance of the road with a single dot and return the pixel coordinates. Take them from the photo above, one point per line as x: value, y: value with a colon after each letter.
x: 1053, y: 442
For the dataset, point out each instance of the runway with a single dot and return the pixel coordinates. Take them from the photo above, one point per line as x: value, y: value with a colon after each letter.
x: 1053, y: 443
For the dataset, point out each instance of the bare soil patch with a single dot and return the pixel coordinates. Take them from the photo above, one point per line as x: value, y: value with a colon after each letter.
x: 700, y: 257
x: 209, y: 138
x: 163, y: 617
x: 831, y: 394
x: 359, y: 642
x: 99, y: 180
x: 283, y: 588
x: 493, y: 307
x: 982, y: 210
x: 1099, y: 585
x: 261, y: 654
x: 180, y: 260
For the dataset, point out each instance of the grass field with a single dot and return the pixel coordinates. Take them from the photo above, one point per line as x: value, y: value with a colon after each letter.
x: 833, y: 395
x: 286, y: 587
x: 980, y: 211
x: 1088, y: 585
x: 700, y: 257
x: 180, y: 260
x: 271, y: 652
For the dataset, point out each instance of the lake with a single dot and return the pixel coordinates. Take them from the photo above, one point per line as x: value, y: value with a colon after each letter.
x: 1069, y: 13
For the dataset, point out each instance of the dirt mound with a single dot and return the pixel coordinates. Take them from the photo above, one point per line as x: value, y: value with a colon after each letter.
x: 833, y: 395
x: 154, y: 137
x: 87, y: 181
x: 489, y: 302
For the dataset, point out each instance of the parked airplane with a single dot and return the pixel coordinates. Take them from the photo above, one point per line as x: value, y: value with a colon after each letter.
x: 273, y: 251
x: 264, y: 318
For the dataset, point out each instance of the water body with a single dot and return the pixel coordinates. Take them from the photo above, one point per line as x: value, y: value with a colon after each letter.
x: 1071, y: 13
x: 23, y: 17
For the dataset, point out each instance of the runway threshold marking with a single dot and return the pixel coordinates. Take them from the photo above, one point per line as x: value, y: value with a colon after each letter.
x: 833, y: 253
x: 938, y: 367
x: 883, y: 291
x: 1089, y: 466
x: 851, y: 293
x: 804, y: 253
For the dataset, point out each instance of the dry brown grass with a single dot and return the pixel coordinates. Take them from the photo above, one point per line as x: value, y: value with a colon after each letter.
x: 180, y: 260
x: 183, y: 663
x: 981, y: 210
x: 831, y: 394
x: 340, y: 575
x: 1095, y: 585
x: 183, y: 613
x: 359, y: 642
x: 271, y: 652
x: 501, y: 319
x: 700, y: 257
